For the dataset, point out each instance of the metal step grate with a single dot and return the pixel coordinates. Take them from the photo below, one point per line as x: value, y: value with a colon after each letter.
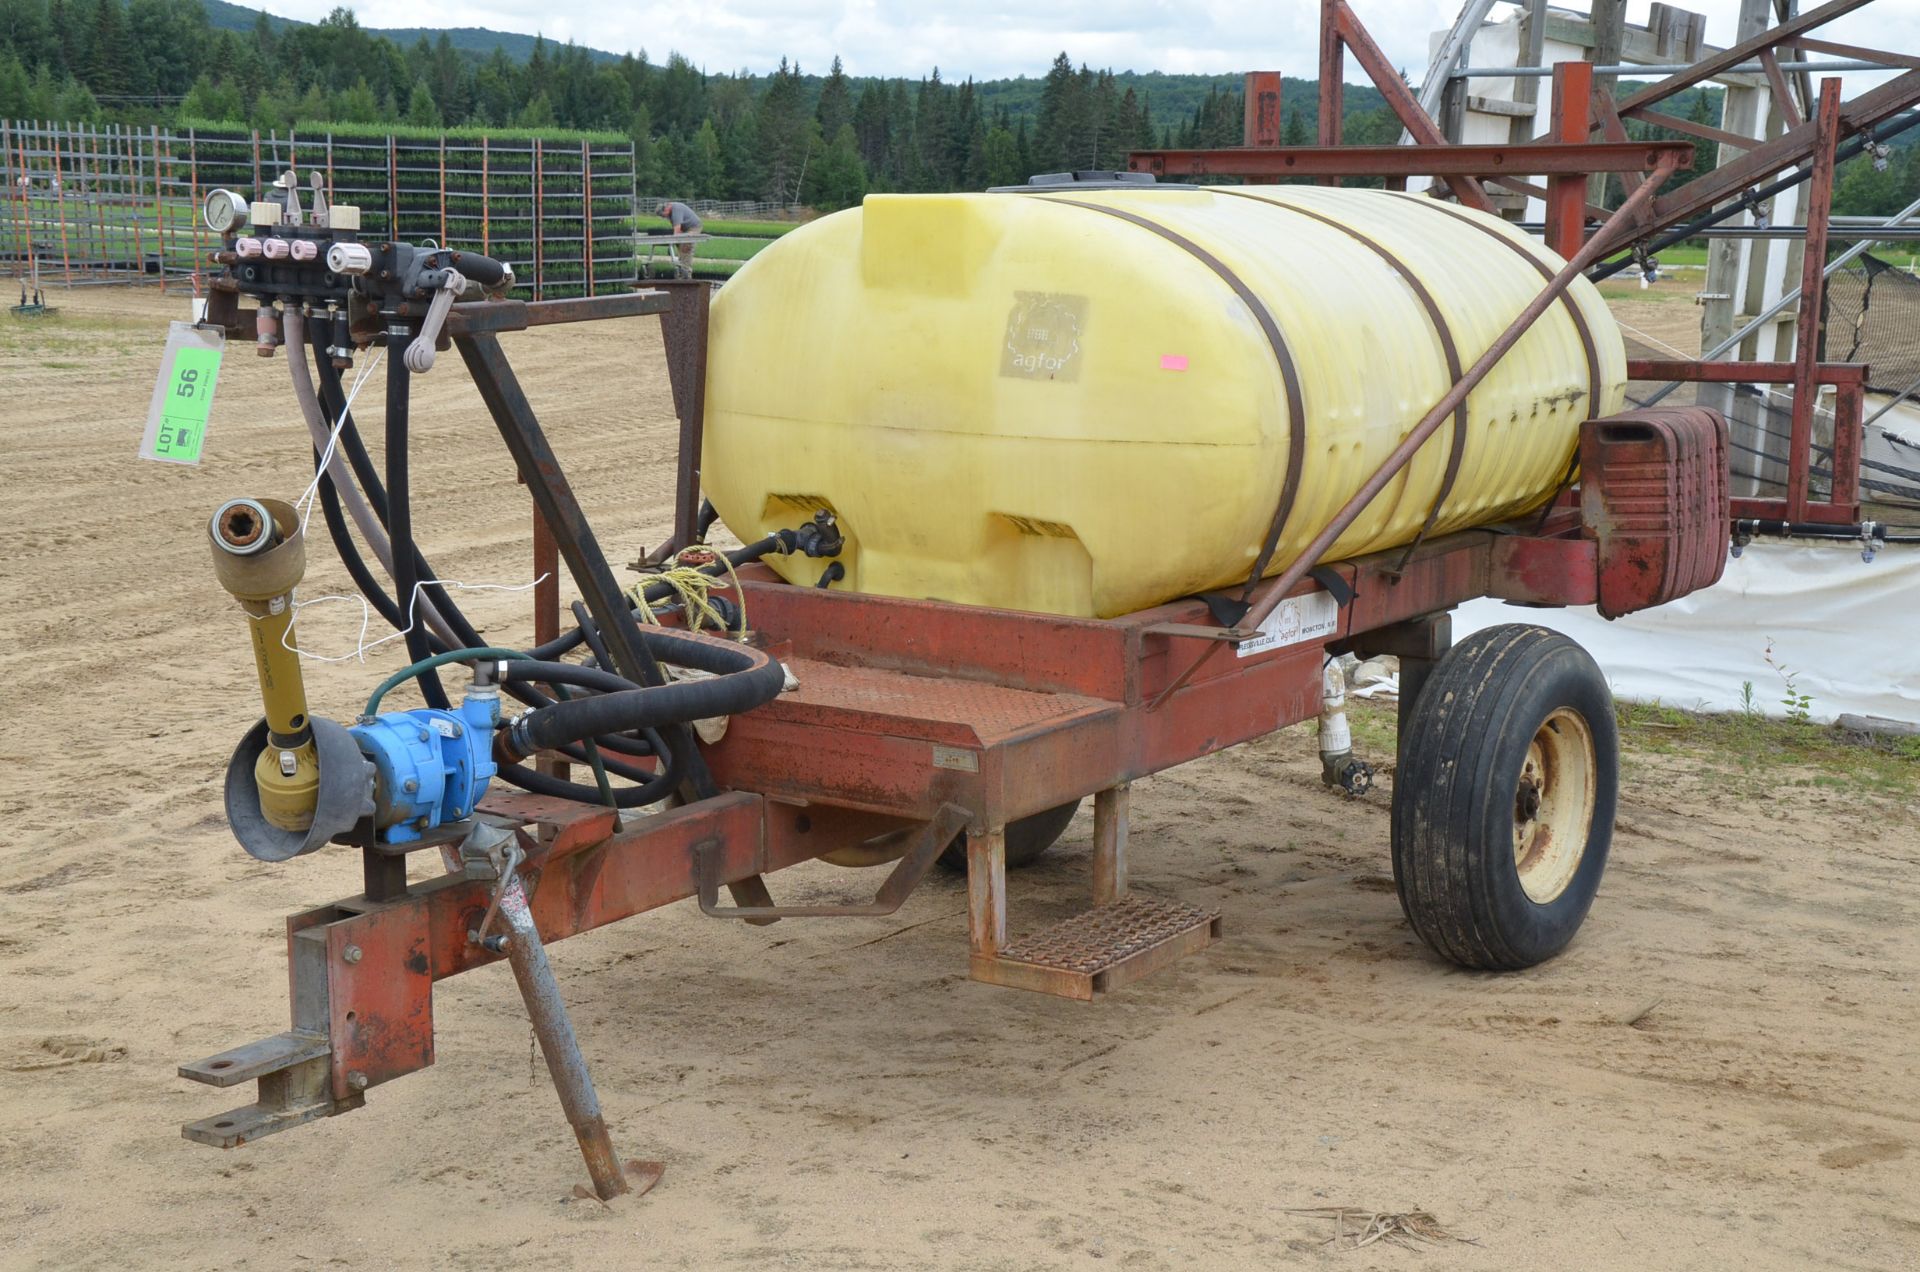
x: 1101, y: 948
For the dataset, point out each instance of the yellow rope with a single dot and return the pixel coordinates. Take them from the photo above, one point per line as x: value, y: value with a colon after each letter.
x: 691, y: 586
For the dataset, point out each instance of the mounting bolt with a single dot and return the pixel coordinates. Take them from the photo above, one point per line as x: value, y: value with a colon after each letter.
x: 351, y: 954
x: 409, y: 786
x: 424, y: 735
x: 357, y: 1080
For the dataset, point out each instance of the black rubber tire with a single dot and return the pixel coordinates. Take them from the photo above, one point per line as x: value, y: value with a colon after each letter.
x: 1455, y: 794
x: 1026, y: 838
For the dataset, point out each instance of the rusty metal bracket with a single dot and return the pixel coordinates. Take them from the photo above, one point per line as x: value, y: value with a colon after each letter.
x: 294, y: 1087
x: 929, y: 842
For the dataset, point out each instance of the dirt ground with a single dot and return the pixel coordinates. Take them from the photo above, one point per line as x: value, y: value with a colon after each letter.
x: 1722, y: 1072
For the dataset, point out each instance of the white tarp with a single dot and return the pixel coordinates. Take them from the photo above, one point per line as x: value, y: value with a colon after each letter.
x: 1848, y: 630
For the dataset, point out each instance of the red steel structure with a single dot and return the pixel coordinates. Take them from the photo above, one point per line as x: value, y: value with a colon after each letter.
x: 1587, y: 135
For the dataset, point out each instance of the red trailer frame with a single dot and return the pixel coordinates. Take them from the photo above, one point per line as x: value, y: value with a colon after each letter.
x: 915, y: 722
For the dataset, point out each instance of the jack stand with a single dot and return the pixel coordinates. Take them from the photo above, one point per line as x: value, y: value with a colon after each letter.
x: 558, y: 1044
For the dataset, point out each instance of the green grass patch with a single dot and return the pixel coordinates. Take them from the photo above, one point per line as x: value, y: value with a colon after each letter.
x: 1758, y: 755
x: 727, y: 229
x: 1760, y: 751
x: 728, y: 249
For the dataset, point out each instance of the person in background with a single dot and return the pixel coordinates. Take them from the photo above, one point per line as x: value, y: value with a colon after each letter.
x: 682, y: 220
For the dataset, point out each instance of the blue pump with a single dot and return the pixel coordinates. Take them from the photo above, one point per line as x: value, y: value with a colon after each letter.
x: 430, y: 767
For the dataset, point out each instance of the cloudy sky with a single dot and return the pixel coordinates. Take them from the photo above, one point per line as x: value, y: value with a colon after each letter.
x: 994, y: 38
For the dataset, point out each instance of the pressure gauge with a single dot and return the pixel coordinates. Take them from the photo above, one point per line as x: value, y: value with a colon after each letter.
x: 223, y: 210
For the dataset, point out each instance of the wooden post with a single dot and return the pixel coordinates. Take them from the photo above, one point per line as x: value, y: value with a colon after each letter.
x: 1609, y: 45
x: 1111, y: 810
x: 443, y: 189
x: 1533, y: 44
x: 987, y: 892
x: 486, y: 201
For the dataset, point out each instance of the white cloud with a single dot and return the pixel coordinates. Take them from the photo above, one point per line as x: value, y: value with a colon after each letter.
x: 998, y: 38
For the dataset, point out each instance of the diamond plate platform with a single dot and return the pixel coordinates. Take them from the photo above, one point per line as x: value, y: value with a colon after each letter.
x: 1101, y: 949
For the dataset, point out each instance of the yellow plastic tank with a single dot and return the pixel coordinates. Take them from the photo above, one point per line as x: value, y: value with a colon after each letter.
x: 1086, y: 401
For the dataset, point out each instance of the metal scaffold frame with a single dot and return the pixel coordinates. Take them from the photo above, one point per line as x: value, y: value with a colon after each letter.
x: 1781, y: 137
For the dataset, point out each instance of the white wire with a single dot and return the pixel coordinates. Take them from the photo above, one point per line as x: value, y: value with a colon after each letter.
x: 1654, y: 340
x: 306, y: 498
x: 362, y: 646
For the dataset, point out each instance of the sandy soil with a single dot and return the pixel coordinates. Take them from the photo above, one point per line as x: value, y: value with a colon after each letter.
x: 1723, y: 1071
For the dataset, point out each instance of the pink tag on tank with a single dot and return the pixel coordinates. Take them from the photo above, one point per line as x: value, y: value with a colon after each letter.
x: 1173, y: 362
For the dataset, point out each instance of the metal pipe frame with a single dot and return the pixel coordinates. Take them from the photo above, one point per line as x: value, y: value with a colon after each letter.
x: 1437, y: 159
x: 1849, y: 382
x: 1888, y: 62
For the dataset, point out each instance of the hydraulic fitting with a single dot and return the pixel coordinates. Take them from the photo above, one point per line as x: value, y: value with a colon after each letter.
x: 1339, y: 767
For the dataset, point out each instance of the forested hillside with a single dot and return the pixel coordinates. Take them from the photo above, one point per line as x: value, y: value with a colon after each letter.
x: 822, y: 139
x: 785, y: 136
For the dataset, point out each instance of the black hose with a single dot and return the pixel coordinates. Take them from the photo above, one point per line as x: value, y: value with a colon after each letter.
x: 632, y: 772
x: 743, y: 679
x: 406, y: 574
x: 539, y: 783
x: 350, y: 557
x: 589, y: 632
x: 559, y: 645
x: 552, y: 673
x: 1823, y: 530
x: 333, y: 399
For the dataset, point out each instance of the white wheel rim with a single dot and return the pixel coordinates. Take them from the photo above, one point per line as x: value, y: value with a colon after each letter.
x: 1553, y: 805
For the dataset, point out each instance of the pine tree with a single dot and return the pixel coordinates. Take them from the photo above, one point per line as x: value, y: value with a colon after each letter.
x: 700, y: 163
x: 872, y: 126
x: 743, y: 175
x: 836, y: 178
x: 836, y: 102
x: 786, y: 132
x: 422, y: 111
x: 537, y: 113
x: 1060, y: 108
x: 104, y: 68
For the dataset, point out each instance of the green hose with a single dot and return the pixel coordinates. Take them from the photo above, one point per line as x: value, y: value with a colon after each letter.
x: 405, y: 674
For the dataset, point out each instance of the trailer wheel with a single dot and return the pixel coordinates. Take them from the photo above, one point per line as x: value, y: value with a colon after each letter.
x: 1027, y: 838
x: 1504, y: 799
